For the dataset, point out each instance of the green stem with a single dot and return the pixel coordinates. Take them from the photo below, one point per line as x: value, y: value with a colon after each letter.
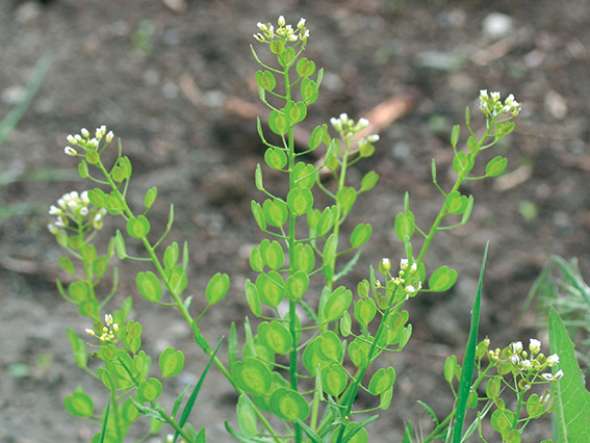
x: 336, y: 231
x: 291, y: 246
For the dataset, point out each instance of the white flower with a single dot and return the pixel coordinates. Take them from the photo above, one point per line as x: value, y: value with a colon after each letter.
x: 373, y: 138
x: 71, y: 139
x: 54, y: 210
x: 386, y: 264
x: 90, y: 332
x: 363, y: 123
x: 410, y: 289
x: 516, y: 347
x: 403, y: 264
x: 558, y: 375
x: 84, y: 197
x: 414, y: 267
x: 84, y: 211
x: 534, y: 346
x: 281, y: 21
x: 547, y: 376
x: 515, y: 359
x: 526, y: 364
x: 85, y: 132
x: 301, y: 23
x: 552, y: 360
x: 68, y: 150
x: 109, y: 137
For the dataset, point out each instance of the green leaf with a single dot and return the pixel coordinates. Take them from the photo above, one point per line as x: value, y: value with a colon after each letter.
x: 297, y: 285
x: 404, y: 225
x: 258, y: 214
x: 275, y: 158
x: 346, y: 198
x: 365, y: 311
x: 79, y: 404
x: 266, y: 80
x: 275, y: 336
x: 246, y: 415
x: 300, y: 200
x: 217, y: 288
x: 258, y: 178
x: 278, y: 122
x: 305, y: 67
x: 309, y: 90
x: 360, y: 235
x: 469, y: 358
x: 442, y: 279
x: 571, y: 400
x: 275, y: 212
x: 78, y: 348
x: 171, y: 256
x: 451, y: 369
x: 171, y: 362
x: 337, y: 303
x: 149, y: 286
x: 369, y: 181
x: 105, y: 421
x: 316, y: 137
x: 138, y: 227
x: 79, y: 291
x: 289, y: 405
x: 150, y: 197
x: 252, y: 298
x: 455, y: 133
x: 382, y: 380
x: 252, y: 376
x: 272, y: 254
x: 150, y: 390
x: 334, y: 379
x: 304, y: 257
x: 496, y: 166
x: 270, y: 288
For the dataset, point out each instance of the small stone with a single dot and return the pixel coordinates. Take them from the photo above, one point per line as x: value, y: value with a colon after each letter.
x: 497, y: 25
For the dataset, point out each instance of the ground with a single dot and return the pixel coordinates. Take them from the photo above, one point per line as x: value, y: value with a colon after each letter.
x: 159, y: 76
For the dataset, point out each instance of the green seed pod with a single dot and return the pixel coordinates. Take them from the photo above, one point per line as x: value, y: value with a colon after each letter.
x: 270, y: 288
x: 442, y: 279
x: 252, y: 376
x: 275, y: 336
x: 334, y: 379
x: 171, y: 362
x: 289, y: 405
x: 337, y: 303
x: 149, y: 286
x: 382, y: 380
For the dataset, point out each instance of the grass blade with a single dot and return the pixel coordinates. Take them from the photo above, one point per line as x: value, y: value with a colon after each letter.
x: 9, y: 122
x: 571, y: 414
x: 105, y: 421
x: 469, y: 357
x: 190, y: 403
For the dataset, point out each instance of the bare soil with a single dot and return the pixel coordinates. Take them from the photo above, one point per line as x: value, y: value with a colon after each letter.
x: 160, y: 79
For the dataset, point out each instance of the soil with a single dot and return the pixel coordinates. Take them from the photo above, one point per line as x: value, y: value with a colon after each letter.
x: 159, y: 78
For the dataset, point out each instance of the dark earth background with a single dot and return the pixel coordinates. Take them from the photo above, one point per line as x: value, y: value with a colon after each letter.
x: 159, y: 72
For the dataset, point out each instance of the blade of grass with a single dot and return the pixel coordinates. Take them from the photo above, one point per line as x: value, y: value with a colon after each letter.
x: 105, y: 421
x: 8, y: 123
x: 571, y: 413
x: 190, y: 403
x: 469, y: 357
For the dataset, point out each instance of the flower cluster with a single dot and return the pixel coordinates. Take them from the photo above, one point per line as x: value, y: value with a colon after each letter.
x: 86, y: 141
x: 529, y: 365
x: 283, y: 32
x: 74, y: 210
x: 109, y: 330
x: 407, y: 277
x: 491, y: 104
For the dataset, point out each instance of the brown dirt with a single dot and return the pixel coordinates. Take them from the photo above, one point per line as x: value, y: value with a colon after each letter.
x: 165, y: 101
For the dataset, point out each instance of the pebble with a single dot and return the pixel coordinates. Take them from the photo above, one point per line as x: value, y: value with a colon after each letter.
x: 497, y: 25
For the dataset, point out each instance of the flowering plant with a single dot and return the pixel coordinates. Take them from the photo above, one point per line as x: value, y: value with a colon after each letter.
x: 316, y: 343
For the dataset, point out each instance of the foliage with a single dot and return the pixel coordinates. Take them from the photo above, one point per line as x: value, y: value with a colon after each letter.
x: 561, y: 286
x: 306, y: 355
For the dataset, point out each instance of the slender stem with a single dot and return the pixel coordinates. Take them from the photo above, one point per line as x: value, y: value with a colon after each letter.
x: 336, y: 231
x: 292, y: 220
